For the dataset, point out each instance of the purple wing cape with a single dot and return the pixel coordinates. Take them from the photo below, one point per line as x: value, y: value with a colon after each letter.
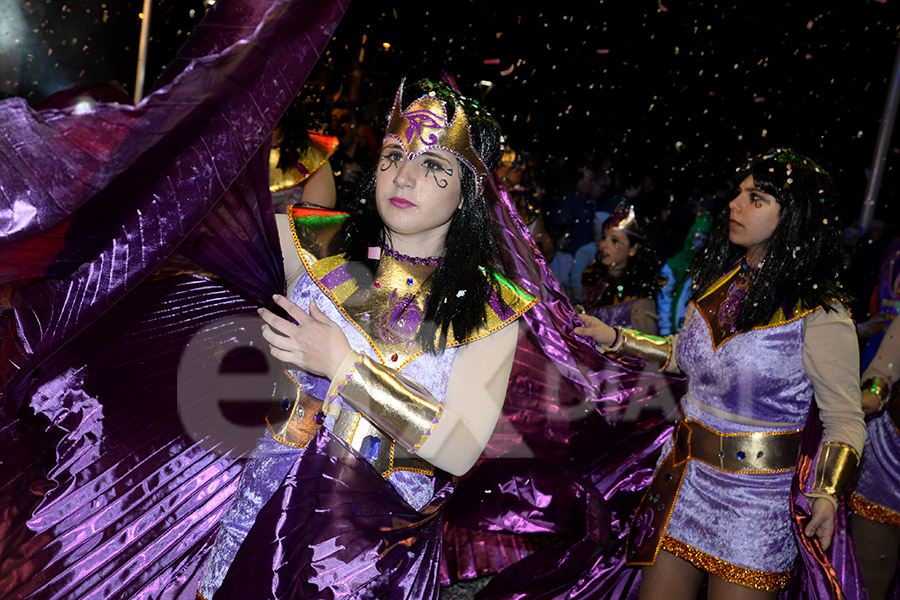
x: 105, y: 493
x: 134, y: 244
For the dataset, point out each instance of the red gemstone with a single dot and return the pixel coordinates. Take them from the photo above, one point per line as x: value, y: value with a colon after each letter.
x: 378, y: 285
x: 394, y: 358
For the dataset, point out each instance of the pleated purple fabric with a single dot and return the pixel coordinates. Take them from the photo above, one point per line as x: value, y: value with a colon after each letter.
x: 113, y: 472
x: 135, y: 245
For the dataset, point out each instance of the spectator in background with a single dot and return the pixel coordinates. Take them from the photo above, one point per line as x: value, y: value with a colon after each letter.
x: 357, y: 149
x: 584, y: 256
x: 572, y: 217
x: 672, y: 299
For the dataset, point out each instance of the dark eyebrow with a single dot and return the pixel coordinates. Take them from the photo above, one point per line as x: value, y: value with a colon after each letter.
x: 435, y: 156
x: 765, y: 196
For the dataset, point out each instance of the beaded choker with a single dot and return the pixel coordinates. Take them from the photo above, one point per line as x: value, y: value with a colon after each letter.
x: 411, y: 260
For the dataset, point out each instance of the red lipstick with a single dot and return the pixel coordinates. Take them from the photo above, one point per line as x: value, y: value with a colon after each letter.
x: 401, y: 202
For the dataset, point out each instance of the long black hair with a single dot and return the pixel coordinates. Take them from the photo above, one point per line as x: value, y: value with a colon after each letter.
x: 803, y: 255
x: 460, y: 284
x: 640, y: 278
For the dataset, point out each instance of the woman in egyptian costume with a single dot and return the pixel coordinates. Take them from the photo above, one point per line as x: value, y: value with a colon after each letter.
x: 769, y: 350
x: 139, y: 242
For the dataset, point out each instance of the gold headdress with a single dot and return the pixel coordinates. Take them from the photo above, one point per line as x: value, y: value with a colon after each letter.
x: 623, y: 217
x: 424, y: 126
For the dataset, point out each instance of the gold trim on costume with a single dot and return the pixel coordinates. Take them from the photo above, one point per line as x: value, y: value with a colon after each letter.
x: 870, y: 510
x: 292, y: 413
x: 748, y: 453
x: 320, y: 149
x: 777, y: 320
x: 516, y: 298
x: 353, y: 428
x: 751, y: 578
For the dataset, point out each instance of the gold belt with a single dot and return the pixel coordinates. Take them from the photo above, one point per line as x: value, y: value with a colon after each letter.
x: 295, y: 417
x: 737, y: 452
x: 382, y: 451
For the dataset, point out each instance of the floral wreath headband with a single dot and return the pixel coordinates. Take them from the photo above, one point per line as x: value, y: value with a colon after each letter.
x: 424, y: 126
x: 789, y: 158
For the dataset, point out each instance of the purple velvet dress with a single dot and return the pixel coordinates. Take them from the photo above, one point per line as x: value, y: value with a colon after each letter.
x: 722, y: 520
x: 876, y: 494
x: 345, y: 574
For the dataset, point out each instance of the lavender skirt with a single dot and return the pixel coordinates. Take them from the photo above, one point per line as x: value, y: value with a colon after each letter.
x: 742, y: 519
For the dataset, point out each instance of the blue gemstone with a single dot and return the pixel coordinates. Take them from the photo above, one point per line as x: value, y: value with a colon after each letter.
x: 668, y: 476
x: 759, y: 454
x: 409, y: 281
x: 370, y: 447
x: 741, y: 455
x: 285, y: 404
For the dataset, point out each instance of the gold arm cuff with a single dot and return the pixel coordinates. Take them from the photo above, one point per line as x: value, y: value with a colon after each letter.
x: 395, y: 403
x: 834, y: 468
x: 654, y: 349
x: 878, y: 386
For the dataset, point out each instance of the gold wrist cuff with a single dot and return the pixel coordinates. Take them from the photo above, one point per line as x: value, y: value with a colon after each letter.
x: 654, y: 349
x: 395, y: 403
x: 834, y: 468
x: 878, y: 386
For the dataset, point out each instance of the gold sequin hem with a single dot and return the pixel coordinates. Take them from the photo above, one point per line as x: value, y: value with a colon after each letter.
x: 758, y: 580
x: 872, y: 511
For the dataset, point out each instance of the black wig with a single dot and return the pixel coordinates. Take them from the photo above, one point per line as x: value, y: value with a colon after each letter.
x: 460, y: 283
x: 803, y: 256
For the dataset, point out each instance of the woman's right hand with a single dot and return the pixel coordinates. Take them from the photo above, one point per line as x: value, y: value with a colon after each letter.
x: 597, y: 330
x: 316, y: 344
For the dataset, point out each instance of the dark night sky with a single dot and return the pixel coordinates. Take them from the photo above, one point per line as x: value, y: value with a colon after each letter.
x: 678, y: 89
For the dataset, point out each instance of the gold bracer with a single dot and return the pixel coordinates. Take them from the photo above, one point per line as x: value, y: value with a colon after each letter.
x: 878, y: 386
x: 395, y: 403
x: 654, y: 349
x: 834, y: 468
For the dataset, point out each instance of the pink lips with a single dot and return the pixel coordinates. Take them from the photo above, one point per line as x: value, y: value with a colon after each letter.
x: 401, y: 202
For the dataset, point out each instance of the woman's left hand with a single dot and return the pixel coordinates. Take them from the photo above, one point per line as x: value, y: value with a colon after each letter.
x: 821, y: 525
x: 316, y: 344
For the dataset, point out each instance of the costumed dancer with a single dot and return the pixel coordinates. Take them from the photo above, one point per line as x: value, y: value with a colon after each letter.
x: 110, y: 308
x: 766, y: 342
x: 875, y: 499
x: 397, y: 365
x: 299, y: 167
x: 620, y: 286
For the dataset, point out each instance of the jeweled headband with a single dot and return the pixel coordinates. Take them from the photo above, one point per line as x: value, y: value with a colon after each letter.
x: 424, y: 126
x: 624, y: 218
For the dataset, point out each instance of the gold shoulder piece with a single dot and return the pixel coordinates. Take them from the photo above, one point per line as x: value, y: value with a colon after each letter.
x: 507, y: 301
